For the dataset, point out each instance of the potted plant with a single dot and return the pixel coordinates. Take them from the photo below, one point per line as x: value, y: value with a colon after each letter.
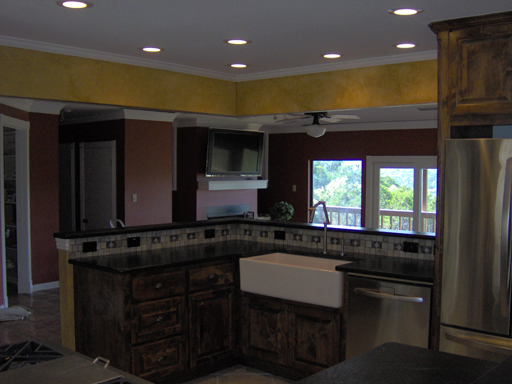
x: 281, y: 211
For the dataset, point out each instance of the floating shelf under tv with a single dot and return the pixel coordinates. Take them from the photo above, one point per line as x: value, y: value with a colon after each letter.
x: 222, y: 185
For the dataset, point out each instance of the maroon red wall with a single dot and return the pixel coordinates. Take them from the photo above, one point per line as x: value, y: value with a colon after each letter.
x: 290, y: 156
x: 148, y: 172
x: 44, y: 196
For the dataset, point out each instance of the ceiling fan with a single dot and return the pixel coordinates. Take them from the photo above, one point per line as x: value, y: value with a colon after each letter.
x: 316, y: 121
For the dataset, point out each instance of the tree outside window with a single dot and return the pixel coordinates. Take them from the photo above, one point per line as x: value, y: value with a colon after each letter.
x: 338, y: 183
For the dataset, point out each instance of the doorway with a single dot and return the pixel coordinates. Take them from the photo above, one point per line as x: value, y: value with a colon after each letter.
x: 87, y: 186
x: 15, y: 205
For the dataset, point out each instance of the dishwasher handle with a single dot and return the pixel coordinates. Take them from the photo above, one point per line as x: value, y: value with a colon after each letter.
x: 391, y: 296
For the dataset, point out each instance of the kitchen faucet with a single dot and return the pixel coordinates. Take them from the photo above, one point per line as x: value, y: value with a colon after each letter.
x: 312, y: 211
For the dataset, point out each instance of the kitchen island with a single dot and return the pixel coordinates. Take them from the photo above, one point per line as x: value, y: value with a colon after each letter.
x: 404, y: 364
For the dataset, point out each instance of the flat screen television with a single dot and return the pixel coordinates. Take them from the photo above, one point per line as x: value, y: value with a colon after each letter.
x: 234, y: 153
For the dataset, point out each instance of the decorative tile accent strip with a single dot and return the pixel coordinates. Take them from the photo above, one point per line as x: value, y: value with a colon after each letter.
x: 377, y: 244
x: 315, y: 239
x: 175, y: 237
x: 355, y: 243
x: 155, y: 240
x: 111, y: 244
x: 263, y: 234
x: 191, y: 236
x: 225, y: 232
x: 335, y: 241
x: 247, y: 232
x: 398, y: 247
x: 297, y: 237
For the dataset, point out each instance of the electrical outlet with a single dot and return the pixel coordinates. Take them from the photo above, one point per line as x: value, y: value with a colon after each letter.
x: 411, y: 247
x: 89, y: 246
x: 280, y: 235
x: 209, y: 233
x: 133, y: 242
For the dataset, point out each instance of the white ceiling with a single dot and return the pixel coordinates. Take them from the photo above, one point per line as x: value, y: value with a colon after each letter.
x: 288, y: 36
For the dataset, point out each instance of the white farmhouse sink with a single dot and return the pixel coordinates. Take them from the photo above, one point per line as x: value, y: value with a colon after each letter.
x: 311, y: 280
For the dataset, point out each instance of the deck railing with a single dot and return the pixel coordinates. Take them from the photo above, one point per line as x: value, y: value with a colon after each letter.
x: 389, y: 218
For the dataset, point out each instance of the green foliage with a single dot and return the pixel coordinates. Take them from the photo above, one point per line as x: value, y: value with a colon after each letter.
x: 281, y: 211
x: 337, y: 182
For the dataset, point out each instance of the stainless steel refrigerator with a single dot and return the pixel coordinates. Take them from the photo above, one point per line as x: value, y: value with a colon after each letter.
x: 476, y: 282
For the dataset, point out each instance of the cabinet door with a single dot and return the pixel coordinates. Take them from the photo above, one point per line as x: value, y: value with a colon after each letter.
x: 211, y: 326
x: 482, y: 69
x: 158, y: 360
x: 314, y: 338
x: 265, y: 330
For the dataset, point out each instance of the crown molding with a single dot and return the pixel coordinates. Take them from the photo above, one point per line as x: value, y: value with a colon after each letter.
x: 35, y: 106
x: 140, y: 114
x: 121, y: 59
x: 337, y: 66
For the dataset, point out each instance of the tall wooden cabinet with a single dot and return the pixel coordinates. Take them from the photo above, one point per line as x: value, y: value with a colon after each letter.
x: 475, y: 91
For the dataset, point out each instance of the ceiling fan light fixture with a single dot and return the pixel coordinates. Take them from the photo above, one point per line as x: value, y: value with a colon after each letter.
x: 332, y: 56
x: 315, y: 131
x: 239, y: 65
x: 74, y: 4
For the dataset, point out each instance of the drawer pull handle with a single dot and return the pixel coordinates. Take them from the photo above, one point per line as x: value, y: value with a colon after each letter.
x: 158, y: 286
x: 160, y: 359
x: 159, y: 319
x: 212, y: 277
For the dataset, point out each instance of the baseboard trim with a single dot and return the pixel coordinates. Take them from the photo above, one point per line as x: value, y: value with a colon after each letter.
x: 45, y: 286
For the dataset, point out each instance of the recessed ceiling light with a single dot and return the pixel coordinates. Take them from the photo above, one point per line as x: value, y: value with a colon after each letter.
x: 332, y: 55
x: 151, y: 49
x: 237, y: 41
x: 405, y: 11
x: 74, y: 4
x: 239, y: 65
x: 405, y: 45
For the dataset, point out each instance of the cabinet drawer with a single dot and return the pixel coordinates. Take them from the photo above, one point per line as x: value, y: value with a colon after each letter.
x: 158, y: 286
x: 157, y: 319
x: 212, y: 276
x: 155, y: 361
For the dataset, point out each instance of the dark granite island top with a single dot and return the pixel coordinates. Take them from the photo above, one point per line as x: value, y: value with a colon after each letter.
x: 393, y: 267
x: 384, y: 266
x: 397, y: 363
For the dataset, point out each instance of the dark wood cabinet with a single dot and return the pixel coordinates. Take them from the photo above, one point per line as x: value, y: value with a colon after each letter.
x: 212, y: 331
x: 478, y: 72
x: 302, y: 337
x: 160, y: 324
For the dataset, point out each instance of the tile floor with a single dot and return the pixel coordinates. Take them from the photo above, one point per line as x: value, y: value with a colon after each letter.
x: 44, y: 324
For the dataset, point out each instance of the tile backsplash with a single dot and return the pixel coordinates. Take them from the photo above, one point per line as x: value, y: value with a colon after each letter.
x: 337, y: 241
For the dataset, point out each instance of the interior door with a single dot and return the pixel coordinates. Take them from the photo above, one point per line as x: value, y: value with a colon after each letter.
x: 15, y: 206
x: 97, y: 184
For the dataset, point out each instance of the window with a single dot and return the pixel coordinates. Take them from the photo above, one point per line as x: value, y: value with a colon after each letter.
x: 401, y: 192
x: 338, y: 183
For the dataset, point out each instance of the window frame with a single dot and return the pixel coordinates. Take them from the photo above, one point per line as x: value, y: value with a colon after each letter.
x: 373, y: 166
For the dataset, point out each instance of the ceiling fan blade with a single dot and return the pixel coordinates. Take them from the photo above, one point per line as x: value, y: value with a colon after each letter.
x: 342, y: 117
x: 294, y: 120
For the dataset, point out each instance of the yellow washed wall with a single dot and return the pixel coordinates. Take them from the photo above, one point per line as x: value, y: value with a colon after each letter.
x: 40, y: 75
x: 385, y: 85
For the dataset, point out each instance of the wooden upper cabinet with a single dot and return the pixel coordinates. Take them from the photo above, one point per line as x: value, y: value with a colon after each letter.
x: 478, y: 55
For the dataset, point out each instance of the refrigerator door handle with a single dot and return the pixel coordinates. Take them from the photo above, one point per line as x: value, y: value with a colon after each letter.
x: 391, y: 296
x: 482, y: 342
x: 505, y: 241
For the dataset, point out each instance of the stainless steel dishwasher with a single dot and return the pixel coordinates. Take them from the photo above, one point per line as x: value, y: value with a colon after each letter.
x: 381, y: 310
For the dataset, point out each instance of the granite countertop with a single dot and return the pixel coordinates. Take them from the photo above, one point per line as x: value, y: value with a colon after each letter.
x: 405, y: 364
x: 394, y: 267
x: 419, y: 270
